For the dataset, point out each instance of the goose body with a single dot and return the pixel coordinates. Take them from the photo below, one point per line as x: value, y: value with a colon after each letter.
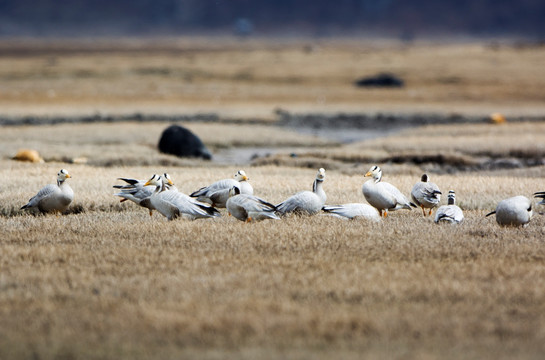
x: 135, y: 191
x: 248, y: 208
x: 426, y: 194
x: 515, y: 211
x: 217, y: 193
x: 173, y: 204
x: 382, y: 195
x: 53, y: 198
x: 309, y: 202
x: 449, y: 213
x: 352, y: 211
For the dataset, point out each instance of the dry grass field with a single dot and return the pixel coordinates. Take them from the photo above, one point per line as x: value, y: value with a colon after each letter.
x: 107, y: 281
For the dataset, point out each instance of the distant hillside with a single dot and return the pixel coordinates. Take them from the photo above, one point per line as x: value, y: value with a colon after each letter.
x: 404, y: 18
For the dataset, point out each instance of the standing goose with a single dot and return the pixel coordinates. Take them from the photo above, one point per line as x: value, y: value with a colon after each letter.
x: 53, y: 198
x: 450, y: 213
x: 352, y: 211
x: 515, y: 211
x: 426, y: 194
x: 382, y: 195
x: 248, y: 208
x: 217, y: 193
x: 136, y: 192
x: 173, y: 204
x: 310, y: 202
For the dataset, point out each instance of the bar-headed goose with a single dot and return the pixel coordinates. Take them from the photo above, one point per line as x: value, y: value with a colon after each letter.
x: 426, y: 194
x: 53, y: 198
x: 310, y: 202
x: 216, y: 194
x: 135, y: 191
x: 450, y: 213
x: 382, y: 195
x: 248, y: 208
x: 514, y: 211
x: 173, y: 204
x: 353, y: 211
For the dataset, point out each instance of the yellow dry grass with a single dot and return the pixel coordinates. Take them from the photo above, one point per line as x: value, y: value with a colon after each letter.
x: 109, y: 281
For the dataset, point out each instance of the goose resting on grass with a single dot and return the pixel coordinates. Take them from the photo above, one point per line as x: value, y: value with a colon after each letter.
x: 426, y: 194
x: 136, y: 192
x: 352, y: 211
x: 53, y: 198
x: 382, y: 195
x: 514, y: 211
x: 449, y: 213
x: 310, y: 202
x: 248, y: 208
x: 217, y: 193
x: 173, y: 204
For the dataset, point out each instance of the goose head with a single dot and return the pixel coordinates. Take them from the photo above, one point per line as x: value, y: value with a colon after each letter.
x: 155, y: 180
x: 234, y: 191
x: 168, y: 179
x: 451, y: 197
x: 62, y: 175
x: 241, y: 176
x: 320, y: 176
x: 375, y: 172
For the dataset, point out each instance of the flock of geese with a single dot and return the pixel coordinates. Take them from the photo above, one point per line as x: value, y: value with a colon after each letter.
x: 236, y: 195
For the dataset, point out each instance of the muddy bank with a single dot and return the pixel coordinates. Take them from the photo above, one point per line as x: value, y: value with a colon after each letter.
x: 335, y: 121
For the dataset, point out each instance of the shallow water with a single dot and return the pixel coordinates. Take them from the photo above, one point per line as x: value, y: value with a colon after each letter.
x: 245, y: 155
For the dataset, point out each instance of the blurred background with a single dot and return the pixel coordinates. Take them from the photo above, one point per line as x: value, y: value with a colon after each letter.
x: 393, y: 18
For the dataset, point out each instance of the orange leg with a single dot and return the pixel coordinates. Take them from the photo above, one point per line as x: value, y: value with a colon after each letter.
x: 385, y: 213
x: 423, y: 210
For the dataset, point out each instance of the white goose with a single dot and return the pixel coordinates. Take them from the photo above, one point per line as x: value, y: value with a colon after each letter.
x: 515, y: 211
x: 382, y: 195
x: 352, y: 211
x: 449, y: 213
x: 136, y: 192
x: 310, y: 202
x: 173, y: 204
x: 53, y: 198
x: 248, y: 208
x: 216, y: 194
x: 426, y: 194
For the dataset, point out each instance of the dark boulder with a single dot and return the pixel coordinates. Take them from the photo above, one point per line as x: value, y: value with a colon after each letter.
x: 179, y: 141
x: 380, y: 80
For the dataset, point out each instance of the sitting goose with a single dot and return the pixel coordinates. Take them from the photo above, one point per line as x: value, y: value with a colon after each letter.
x: 248, y: 208
x: 450, y: 213
x: 310, y: 202
x: 352, y: 211
x: 515, y: 211
x: 173, y: 204
x: 217, y: 193
x: 136, y: 192
x: 53, y: 198
x: 383, y: 195
x: 426, y: 194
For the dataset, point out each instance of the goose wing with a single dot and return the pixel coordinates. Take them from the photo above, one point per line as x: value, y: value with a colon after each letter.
x: 353, y: 210
x: 400, y: 200
x: 450, y: 213
x: 306, y: 201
